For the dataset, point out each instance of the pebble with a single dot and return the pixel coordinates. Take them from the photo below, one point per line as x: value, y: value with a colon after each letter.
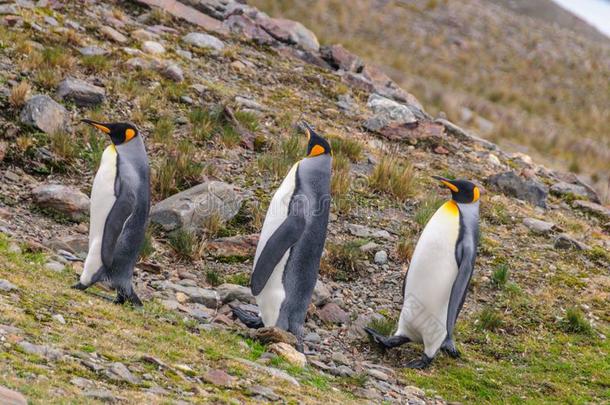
x: 59, y: 318
x: 381, y: 257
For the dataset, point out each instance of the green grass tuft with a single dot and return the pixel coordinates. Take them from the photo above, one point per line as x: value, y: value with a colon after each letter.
x: 575, y: 322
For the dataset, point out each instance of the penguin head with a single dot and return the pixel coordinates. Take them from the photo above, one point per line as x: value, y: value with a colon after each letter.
x: 119, y: 132
x: 462, y: 191
x: 317, y: 145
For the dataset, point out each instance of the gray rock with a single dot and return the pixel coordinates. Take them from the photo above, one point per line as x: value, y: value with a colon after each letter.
x: 209, y: 298
x: 524, y: 189
x: 347, y: 104
x: 200, y: 312
x: 81, y: 382
x: 63, y: 199
x: 290, y: 32
x: 113, y: 34
x: 321, y: 294
x: 264, y: 392
x: 102, y: 395
x: 313, y: 338
x: 119, y: 372
x: 205, y: 41
x: 363, y: 231
x: 565, y: 241
x: 14, y: 248
x: 51, y: 21
x: 465, y: 136
x: 380, y: 375
x: 273, y: 372
x: 593, y: 208
x: 232, y: 292
x: 381, y: 257
x: 356, y: 329
x: 574, y: 190
x: 7, y: 286
x: 538, y: 226
x: 80, y: 92
x: 153, y: 48
x: 190, y: 209
x: 59, y: 318
x: 10, y: 397
x: 387, y: 112
x: 248, y: 103
x: 44, y: 113
x: 173, y: 72
x: 75, y: 244
x: 340, y: 58
x: 332, y: 313
x: 342, y: 371
x: 369, y: 247
x: 54, y: 266
x: 40, y: 350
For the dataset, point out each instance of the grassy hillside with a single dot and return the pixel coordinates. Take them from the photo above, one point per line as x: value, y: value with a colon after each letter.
x: 534, y: 325
x: 544, y: 89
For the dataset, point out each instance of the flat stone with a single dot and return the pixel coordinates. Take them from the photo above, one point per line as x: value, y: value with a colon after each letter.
x: 377, y: 374
x: 510, y: 183
x: 143, y: 35
x: 204, y: 41
x: 333, y: 313
x: 102, y: 395
x: 218, y: 377
x: 264, y: 392
x: 273, y: 372
x: 313, y: 338
x: 63, y: 199
x: 290, y: 32
x: 340, y: 358
x: 190, y: 209
x: 248, y: 103
x: 593, y: 208
x: 8, y: 9
x: 273, y: 334
x: 82, y: 382
x: 233, y: 292
x: 59, y: 318
x: 113, y: 34
x: 54, y: 266
x: 10, y: 397
x: 40, y: 350
x: 245, y: 26
x: 119, y: 372
x: 369, y: 247
x: 80, y: 92
x: 93, y: 51
x: 573, y: 190
x: 321, y: 294
x: 180, y: 10
x: 7, y: 286
x: 204, y: 296
x: 565, y: 241
x: 538, y: 226
x: 363, y: 231
x: 44, y: 113
x: 288, y: 353
x: 387, y: 112
x: 340, y: 58
x: 153, y: 48
x: 242, y: 246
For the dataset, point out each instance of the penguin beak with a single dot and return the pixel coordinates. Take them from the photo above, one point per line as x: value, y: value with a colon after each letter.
x: 105, y: 128
x: 447, y: 183
x: 308, y: 129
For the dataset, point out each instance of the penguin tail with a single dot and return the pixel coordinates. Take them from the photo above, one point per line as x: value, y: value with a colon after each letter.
x: 248, y: 318
x: 386, y: 342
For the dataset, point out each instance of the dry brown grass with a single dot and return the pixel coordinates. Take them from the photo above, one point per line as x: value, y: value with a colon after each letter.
x: 393, y: 177
x: 19, y: 94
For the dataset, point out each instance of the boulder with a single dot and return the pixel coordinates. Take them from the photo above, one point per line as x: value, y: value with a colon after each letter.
x: 232, y: 292
x: 190, y: 209
x: 80, y: 92
x: 530, y: 190
x: 290, y: 32
x: 332, y: 313
x: 241, y: 24
x: 387, y: 112
x: 564, y: 189
x: 40, y: 350
x: 180, y: 10
x: 205, y: 41
x: 340, y: 58
x: 593, y: 208
x: 44, y: 113
x: 538, y: 226
x: 288, y: 353
x: 10, y: 397
x: 119, y: 372
x: 62, y: 199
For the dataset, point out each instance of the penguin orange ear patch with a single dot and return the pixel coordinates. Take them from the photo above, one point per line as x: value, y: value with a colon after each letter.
x: 476, y: 194
x: 317, y: 150
x: 129, y: 134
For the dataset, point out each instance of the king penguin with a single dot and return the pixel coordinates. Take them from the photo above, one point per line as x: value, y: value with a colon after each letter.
x: 288, y: 254
x: 120, y: 203
x: 437, y: 279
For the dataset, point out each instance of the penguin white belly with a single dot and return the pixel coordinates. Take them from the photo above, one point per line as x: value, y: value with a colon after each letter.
x: 102, y: 200
x: 270, y: 298
x: 430, y: 279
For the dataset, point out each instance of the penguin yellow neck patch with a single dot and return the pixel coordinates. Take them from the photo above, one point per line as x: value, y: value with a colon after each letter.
x: 316, y: 151
x: 451, y: 208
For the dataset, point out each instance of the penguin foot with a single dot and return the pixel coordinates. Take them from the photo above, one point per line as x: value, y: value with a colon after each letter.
x: 420, y: 364
x: 247, y: 318
x: 385, y: 341
x: 79, y: 286
x: 451, y: 351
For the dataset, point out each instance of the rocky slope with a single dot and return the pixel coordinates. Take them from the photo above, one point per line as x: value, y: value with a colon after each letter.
x: 217, y: 88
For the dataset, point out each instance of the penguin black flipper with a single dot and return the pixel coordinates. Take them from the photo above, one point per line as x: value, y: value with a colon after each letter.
x: 285, y: 236
x: 119, y: 214
x: 466, y: 252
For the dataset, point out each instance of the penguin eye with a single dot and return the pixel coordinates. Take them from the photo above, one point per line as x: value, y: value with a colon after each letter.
x: 129, y: 134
